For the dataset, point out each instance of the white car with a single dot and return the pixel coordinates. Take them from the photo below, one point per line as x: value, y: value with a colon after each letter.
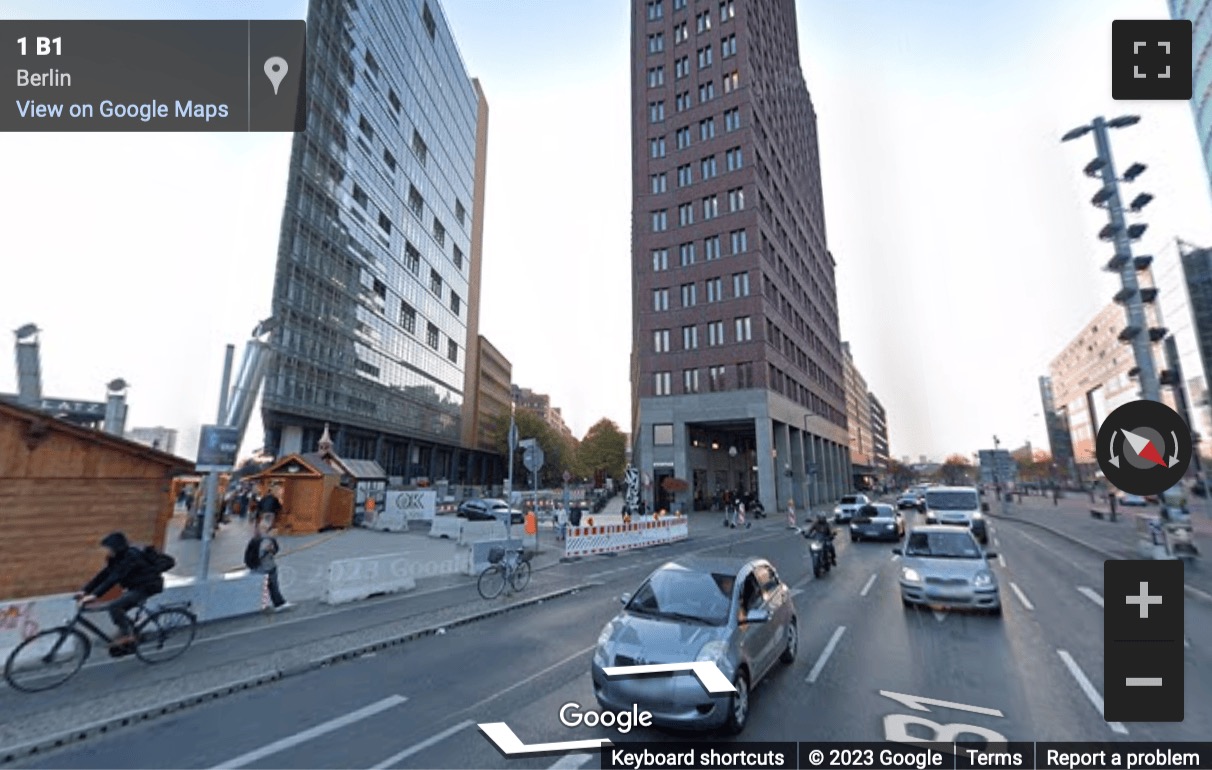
x: 848, y: 507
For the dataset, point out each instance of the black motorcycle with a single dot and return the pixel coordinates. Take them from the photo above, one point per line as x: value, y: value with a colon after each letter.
x: 820, y: 547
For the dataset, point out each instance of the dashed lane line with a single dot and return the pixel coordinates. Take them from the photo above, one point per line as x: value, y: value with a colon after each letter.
x: 824, y: 658
x: 1090, y: 594
x: 997, y: 543
x: 1001, y: 560
x: 867, y: 587
x: 1022, y: 597
x: 310, y: 733
x: 1088, y: 688
x: 430, y: 741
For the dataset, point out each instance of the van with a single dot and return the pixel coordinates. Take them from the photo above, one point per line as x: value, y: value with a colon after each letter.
x: 959, y: 507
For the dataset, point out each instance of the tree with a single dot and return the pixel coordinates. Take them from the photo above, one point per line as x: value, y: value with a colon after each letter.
x: 957, y: 469
x: 604, y: 448
x: 1038, y: 469
x: 559, y: 450
x: 900, y: 475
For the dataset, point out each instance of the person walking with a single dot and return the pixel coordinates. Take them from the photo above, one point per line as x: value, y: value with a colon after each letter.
x: 269, y: 507
x: 261, y: 556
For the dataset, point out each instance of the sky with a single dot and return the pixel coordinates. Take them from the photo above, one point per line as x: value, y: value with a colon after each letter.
x: 966, y: 249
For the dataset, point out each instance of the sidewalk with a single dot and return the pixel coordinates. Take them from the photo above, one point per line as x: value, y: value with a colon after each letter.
x: 1070, y: 518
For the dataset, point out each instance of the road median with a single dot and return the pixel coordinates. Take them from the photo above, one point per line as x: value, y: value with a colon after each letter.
x: 40, y: 731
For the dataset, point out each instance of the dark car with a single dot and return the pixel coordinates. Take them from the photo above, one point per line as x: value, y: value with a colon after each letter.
x: 481, y: 509
x: 887, y: 523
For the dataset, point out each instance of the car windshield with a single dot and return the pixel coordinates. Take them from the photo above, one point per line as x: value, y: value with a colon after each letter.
x: 943, y: 545
x: 849, y: 500
x: 965, y: 500
x: 683, y: 594
x: 884, y: 512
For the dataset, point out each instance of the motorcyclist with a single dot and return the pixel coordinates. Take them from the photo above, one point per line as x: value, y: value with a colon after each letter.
x: 820, y: 528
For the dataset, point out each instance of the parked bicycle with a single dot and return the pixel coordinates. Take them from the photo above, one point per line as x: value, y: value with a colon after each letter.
x: 51, y: 657
x: 510, y: 568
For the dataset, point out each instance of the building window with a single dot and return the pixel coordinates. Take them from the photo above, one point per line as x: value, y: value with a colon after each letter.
x: 416, y: 204
x: 715, y: 334
x: 439, y: 232
x: 744, y: 329
x: 735, y: 159
x: 664, y: 384
x: 408, y: 318
x: 740, y: 284
x: 706, y: 92
x: 715, y: 378
x: 686, y: 254
x: 744, y: 375
x: 728, y: 47
x: 458, y: 257
x: 740, y: 241
x: 452, y: 351
x: 656, y: 77
x: 431, y: 336
x: 736, y: 199
x: 456, y: 303
x: 690, y: 296
x: 690, y: 338
x: 703, y: 22
x: 660, y: 260
x: 679, y: 5
x: 660, y: 341
x: 708, y: 167
x: 715, y: 289
x: 683, y: 138
x: 662, y: 434
x: 690, y: 380
x: 732, y: 81
x: 390, y: 160
x: 711, y: 207
x: 711, y: 248
x: 656, y: 112
x: 412, y: 258
x: 705, y: 59
x: 684, y: 177
x: 394, y: 100
x: 435, y: 282
x: 360, y: 197
x: 681, y: 68
x: 419, y: 148
x: 656, y: 147
x: 727, y: 10
x: 658, y: 184
x: 385, y: 223
x: 365, y: 127
x: 660, y: 221
x: 732, y: 119
x: 681, y: 33
x: 656, y: 43
x: 706, y: 129
x: 683, y: 101
x: 460, y: 212
x: 656, y: 10
x: 431, y: 26
x: 660, y: 300
x: 686, y: 214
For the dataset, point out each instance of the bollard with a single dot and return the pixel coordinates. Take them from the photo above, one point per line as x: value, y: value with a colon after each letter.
x: 791, y: 514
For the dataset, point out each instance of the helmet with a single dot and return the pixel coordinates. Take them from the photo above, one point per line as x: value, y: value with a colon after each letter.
x: 820, y: 519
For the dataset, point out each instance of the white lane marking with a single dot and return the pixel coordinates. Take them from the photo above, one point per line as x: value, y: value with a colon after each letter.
x: 918, y: 703
x: 1001, y: 560
x: 570, y: 761
x: 821, y: 661
x: 1022, y: 597
x: 1088, y: 688
x: 867, y: 587
x: 796, y: 592
x: 315, y: 731
x: 940, y: 615
x: 1091, y: 594
x: 997, y: 543
x: 431, y: 740
x: 896, y: 557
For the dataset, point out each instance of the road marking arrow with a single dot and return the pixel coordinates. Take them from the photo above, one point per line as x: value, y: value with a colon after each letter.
x: 504, y: 739
x: 707, y: 672
x: 918, y: 703
x: 940, y: 616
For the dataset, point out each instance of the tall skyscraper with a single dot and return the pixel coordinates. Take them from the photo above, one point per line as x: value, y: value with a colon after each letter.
x: 1060, y: 441
x: 377, y: 288
x: 1199, y: 13
x: 737, y: 374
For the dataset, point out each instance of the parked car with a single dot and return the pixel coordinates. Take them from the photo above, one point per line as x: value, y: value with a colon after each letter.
x: 1133, y: 501
x: 943, y: 566
x: 848, y: 506
x: 735, y: 612
x: 485, y: 509
x: 888, y: 524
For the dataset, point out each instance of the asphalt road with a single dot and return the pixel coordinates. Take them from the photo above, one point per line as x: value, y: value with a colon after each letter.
x: 1034, y: 674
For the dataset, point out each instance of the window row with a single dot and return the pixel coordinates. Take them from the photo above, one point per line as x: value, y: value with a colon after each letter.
x: 712, y: 250
x: 710, y: 207
x: 714, y: 336
x: 716, y: 379
x: 416, y: 204
x: 408, y: 322
x: 731, y: 81
x: 734, y: 160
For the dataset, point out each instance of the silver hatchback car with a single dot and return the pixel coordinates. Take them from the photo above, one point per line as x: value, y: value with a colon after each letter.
x: 732, y: 611
x: 945, y: 567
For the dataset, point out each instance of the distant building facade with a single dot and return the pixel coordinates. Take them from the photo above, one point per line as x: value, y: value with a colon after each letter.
x: 1060, y: 442
x: 1199, y: 13
x: 882, y: 459
x: 540, y: 404
x: 1197, y: 369
x: 858, y: 421
x: 493, y: 377
x: 164, y: 439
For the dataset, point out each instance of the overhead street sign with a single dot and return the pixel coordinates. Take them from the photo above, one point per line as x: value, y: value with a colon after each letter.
x: 533, y: 457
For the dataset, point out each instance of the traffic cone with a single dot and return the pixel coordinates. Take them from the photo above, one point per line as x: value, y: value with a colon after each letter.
x: 791, y: 514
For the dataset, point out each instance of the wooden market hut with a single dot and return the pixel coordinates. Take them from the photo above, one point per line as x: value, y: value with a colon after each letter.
x: 64, y: 487
x: 315, y: 493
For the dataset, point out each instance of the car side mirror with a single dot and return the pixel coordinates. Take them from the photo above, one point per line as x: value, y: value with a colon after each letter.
x: 990, y: 554
x: 757, y: 616
x: 897, y: 551
x: 624, y: 598
x: 984, y: 507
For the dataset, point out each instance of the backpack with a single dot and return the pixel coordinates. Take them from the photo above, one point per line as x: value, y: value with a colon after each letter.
x: 159, y: 561
x: 252, y: 553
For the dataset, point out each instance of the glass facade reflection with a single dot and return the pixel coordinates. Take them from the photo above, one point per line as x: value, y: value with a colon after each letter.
x: 374, y: 282
x: 1199, y: 13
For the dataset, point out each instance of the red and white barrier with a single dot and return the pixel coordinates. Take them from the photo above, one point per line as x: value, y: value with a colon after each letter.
x: 612, y: 538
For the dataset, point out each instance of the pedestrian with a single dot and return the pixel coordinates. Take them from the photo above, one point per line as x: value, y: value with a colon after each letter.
x: 562, y: 524
x: 261, y: 556
x: 269, y: 507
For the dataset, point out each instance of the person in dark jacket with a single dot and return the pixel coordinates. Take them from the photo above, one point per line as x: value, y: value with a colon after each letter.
x: 269, y: 508
x: 125, y: 566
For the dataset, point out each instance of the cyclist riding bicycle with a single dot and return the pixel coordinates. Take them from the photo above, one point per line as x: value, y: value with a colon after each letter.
x: 128, y: 567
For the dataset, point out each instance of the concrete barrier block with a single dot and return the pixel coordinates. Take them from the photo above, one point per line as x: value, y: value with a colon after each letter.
x: 477, y: 560
x: 232, y: 595
x: 448, y: 526
x: 352, y: 579
x: 475, y: 531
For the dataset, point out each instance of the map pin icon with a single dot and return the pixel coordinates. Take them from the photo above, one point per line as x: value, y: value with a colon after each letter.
x: 275, y: 70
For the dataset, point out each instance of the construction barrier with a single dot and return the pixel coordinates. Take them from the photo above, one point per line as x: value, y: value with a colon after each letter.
x: 475, y: 531
x: 448, y: 526
x: 352, y: 579
x: 477, y: 554
x: 612, y: 538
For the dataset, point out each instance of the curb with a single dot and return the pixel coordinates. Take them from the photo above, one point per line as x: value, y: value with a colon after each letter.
x: 111, y: 724
x: 1190, y: 590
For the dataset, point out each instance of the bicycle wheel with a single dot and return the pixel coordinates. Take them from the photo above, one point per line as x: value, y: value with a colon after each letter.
x: 165, y: 635
x: 47, y: 659
x: 491, y: 582
x: 521, y: 576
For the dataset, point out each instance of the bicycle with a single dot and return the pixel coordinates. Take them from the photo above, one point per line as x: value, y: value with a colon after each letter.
x: 162, y: 634
x: 512, y: 568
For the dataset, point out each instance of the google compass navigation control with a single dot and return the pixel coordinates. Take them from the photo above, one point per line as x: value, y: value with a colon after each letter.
x: 1144, y: 448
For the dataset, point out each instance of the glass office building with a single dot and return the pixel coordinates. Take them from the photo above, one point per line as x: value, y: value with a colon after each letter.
x: 377, y: 287
x: 1199, y: 12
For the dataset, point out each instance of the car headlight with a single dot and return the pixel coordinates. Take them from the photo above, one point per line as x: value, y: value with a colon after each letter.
x: 976, y: 516
x: 837, y: 510
x: 983, y: 578
x: 910, y: 575
x: 599, y: 655
x: 713, y: 651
